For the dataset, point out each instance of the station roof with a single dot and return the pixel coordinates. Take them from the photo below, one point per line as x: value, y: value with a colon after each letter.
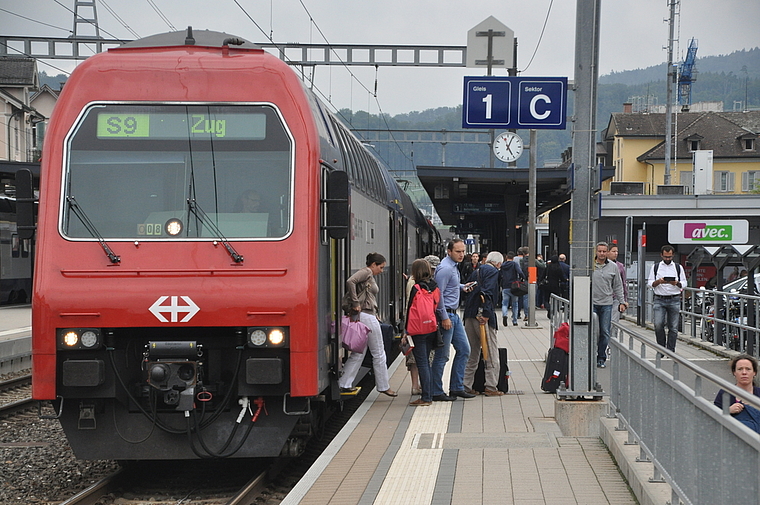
x: 454, y: 190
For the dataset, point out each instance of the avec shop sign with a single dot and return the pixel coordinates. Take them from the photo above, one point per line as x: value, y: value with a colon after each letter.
x: 708, y: 231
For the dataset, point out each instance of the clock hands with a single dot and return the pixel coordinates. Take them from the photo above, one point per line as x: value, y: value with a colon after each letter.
x: 509, y: 144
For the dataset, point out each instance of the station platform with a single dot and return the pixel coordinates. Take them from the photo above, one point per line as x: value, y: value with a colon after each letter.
x: 484, y: 450
x: 15, y: 338
x: 15, y: 321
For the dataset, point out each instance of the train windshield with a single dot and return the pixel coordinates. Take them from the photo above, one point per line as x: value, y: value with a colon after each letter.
x: 178, y: 172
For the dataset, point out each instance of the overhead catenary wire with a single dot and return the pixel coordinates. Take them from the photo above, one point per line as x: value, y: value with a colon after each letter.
x: 36, y: 21
x: 377, y: 101
x: 540, y: 37
x: 118, y: 18
x: 161, y: 15
x: 103, y: 30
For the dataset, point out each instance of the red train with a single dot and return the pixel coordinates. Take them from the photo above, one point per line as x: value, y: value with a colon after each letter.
x: 199, y: 213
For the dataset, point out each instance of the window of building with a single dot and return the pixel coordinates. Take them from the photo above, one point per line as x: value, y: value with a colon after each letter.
x: 750, y: 181
x: 723, y: 181
x: 749, y: 144
x: 694, y: 145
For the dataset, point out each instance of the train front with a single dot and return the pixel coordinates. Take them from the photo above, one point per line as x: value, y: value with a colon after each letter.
x: 175, y: 306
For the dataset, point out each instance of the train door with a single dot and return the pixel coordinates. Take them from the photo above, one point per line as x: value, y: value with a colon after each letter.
x: 398, y: 246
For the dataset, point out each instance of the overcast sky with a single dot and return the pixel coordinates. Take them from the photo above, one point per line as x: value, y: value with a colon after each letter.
x: 633, y: 34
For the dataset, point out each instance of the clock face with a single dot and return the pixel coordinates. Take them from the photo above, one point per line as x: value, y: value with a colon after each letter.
x: 508, y: 147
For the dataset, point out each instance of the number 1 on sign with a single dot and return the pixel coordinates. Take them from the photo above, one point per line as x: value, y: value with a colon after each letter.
x: 487, y: 100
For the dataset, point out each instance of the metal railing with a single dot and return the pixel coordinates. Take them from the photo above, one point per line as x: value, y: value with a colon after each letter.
x: 704, y: 454
x: 560, y: 313
x: 733, y: 325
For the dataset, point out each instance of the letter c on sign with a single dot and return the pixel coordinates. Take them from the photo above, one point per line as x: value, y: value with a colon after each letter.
x: 533, y: 111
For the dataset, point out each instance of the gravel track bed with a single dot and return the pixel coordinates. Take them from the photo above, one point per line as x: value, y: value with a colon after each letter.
x: 36, y: 462
x: 38, y: 466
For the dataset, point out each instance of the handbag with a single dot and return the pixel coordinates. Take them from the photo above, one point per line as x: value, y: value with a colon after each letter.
x: 354, y: 334
x: 519, y: 288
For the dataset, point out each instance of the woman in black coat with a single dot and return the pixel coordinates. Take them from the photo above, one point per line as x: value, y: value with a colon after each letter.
x: 554, y: 277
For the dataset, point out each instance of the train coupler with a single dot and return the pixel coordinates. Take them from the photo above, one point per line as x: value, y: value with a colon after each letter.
x: 86, y: 417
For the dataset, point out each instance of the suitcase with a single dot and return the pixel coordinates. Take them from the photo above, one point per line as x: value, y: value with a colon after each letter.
x: 556, y: 370
x: 479, y: 381
x: 390, y: 354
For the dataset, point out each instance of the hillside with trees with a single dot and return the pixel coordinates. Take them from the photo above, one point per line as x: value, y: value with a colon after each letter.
x: 733, y: 79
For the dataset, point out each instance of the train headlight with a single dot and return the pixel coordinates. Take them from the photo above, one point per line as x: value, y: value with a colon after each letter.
x: 79, y: 338
x: 89, y: 338
x: 173, y: 227
x: 268, y: 337
x: 276, y: 336
x: 258, y: 338
x: 70, y: 338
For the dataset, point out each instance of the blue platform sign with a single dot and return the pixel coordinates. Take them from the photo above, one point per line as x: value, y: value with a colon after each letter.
x: 515, y: 102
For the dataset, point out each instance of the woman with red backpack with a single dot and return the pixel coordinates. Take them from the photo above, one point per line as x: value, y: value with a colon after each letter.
x: 423, y: 312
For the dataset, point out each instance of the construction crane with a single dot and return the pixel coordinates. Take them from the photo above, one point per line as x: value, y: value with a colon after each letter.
x: 687, y: 74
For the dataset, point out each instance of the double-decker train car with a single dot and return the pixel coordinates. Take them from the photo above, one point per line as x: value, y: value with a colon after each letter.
x: 199, y: 213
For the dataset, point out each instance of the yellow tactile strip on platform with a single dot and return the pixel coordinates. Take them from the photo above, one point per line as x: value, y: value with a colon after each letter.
x: 412, y: 475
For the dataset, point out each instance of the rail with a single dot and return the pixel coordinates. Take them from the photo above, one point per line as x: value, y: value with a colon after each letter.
x: 560, y: 313
x: 704, y: 454
x: 733, y: 325
x: 722, y: 318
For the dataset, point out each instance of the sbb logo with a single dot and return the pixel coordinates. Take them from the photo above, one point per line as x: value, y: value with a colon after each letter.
x: 702, y: 231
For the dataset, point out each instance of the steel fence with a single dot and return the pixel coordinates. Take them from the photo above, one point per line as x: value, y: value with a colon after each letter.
x: 705, y: 455
x: 723, y: 318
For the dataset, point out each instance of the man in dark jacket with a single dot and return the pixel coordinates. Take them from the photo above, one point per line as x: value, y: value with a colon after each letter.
x: 480, y: 315
x: 510, y: 271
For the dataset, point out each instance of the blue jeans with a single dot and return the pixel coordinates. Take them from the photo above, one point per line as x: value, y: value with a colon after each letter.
x: 423, y: 344
x: 604, y: 313
x: 524, y: 305
x: 507, y: 300
x: 666, y: 311
x: 458, y: 338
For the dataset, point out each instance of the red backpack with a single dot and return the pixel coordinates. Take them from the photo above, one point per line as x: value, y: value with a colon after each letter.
x: 421, y: 319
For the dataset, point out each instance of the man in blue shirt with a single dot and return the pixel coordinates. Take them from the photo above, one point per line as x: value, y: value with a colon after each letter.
x: 447, y: 278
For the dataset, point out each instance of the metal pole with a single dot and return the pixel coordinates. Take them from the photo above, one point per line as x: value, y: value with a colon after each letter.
x: 669, y: 94
x: 532, y: 227
x: 583, y: 343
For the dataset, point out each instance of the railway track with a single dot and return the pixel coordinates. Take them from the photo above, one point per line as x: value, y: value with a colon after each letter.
x: 128, y: 487
x: 16, y: 395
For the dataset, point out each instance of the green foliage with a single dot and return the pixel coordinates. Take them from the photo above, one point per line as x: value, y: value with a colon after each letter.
x: 54, y: 81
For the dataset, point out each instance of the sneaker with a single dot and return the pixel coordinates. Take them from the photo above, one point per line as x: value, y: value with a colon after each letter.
x: 514, y: 323
x: 420, y: 403
x: 416, y: 391
x: 493, y: 392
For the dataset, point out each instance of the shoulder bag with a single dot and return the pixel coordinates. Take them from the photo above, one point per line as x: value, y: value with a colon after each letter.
x: 354, y: 334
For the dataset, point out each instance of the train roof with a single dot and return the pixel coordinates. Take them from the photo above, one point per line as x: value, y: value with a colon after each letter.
x: 190, y: 37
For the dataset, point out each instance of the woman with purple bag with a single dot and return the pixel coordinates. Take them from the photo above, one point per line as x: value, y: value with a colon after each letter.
x: 361, y: 298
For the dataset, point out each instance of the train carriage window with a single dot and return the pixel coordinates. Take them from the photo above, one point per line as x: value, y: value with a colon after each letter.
x: 352, y: 145
x: 134, y: 168
x: 349, y: 167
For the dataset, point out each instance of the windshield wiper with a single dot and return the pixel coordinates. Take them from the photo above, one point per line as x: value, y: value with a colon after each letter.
x: 74, y: 206
x: 205, y: 220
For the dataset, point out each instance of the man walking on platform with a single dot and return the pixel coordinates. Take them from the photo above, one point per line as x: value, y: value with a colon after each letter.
x: 606, y: 286
x: 667, y: 280
x: 509, y: 273
x: 479, y: 316
x: 566, y: 272
x: 447, y: 278
x: 612, y: 255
